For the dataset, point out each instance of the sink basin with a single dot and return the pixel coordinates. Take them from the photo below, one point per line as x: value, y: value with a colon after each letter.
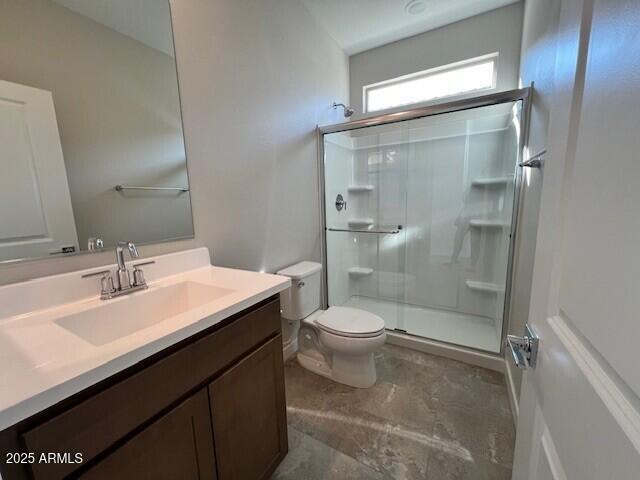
x: 118, y: 318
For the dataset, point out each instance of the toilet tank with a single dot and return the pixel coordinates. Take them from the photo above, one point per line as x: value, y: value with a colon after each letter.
x: 303, y: 298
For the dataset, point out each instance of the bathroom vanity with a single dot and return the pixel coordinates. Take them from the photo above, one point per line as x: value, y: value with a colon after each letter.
x: 195, y: 389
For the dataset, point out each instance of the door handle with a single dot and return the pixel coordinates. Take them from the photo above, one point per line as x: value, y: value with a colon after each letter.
x: 524, y: 350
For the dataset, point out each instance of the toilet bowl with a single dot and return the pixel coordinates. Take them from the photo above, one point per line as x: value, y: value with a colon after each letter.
x: 337, y: 343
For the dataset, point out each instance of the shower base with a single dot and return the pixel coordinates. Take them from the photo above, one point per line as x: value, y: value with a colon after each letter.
x: 457, y: 328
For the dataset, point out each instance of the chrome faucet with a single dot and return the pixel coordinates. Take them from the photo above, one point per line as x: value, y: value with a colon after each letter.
x: 123, y: 280
x: 123, y: 284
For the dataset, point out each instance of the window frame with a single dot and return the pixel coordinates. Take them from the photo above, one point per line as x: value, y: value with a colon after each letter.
x: 450, y: 67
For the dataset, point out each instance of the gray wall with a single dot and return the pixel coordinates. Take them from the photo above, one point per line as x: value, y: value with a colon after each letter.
x: 118, y: 113
x: 495, y: 31
x: 255, y: 78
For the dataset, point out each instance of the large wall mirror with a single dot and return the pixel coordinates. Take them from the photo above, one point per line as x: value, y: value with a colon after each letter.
x: 91, y: 142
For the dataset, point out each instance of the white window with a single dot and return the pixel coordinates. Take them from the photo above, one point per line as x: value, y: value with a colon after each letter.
x: 449, y: 80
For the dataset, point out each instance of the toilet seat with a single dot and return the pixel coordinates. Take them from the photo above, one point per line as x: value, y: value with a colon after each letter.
x: 350, y: 322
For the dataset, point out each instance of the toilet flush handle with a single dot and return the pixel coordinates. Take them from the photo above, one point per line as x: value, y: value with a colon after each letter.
x: 300, y: 284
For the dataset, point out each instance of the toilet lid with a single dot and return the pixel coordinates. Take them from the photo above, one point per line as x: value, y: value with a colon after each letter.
x: 350, y: 321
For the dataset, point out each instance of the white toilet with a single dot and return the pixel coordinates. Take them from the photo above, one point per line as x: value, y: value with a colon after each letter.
x: 337, y: 343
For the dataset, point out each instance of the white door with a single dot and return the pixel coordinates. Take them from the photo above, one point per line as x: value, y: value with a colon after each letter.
x: 36, y: 218
x: 580, y: 407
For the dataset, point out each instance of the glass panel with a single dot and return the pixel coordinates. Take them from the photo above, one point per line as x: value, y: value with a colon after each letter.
x: 423, y: 240
x: 460, y: 192
x: 366, y: 238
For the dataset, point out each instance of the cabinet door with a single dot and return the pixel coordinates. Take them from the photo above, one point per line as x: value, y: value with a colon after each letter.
x: 249, y: 415
x: 178, y: 445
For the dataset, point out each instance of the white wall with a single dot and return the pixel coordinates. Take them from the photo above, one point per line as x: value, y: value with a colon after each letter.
x: 118, y: 113
x: 255, y: 80
x: 495, y: 31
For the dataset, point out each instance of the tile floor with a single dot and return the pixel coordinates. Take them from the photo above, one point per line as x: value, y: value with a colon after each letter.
x: 427, y: 417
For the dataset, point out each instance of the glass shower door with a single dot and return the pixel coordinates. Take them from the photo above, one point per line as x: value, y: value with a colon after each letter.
x: 460, y: 197
x: 365, y: 191
x: 419, y: 222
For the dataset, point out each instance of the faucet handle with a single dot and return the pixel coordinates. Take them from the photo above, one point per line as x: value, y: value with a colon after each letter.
x: 142, y: 264
x: 104, y: 273
x: 138, y: 274
x: 106, y: 282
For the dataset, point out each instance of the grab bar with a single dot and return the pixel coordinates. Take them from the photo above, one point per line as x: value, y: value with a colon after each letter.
x: 119, y: 188
x: 379, y: 232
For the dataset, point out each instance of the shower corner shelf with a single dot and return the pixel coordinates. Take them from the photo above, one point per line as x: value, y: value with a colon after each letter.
x: 360, y: 271
x: 483, y: 223
x: 360, y: 188
x: 491, y: 181
x: 360, y: 222
x: 485, y: 286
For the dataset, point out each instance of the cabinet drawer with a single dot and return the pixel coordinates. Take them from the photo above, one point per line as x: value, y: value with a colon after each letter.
x: 98, y: 422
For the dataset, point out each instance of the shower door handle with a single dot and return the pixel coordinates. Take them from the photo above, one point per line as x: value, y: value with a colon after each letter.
x: 524, y: 350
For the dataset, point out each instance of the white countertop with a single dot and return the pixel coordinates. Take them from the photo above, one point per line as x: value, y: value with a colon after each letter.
x: 42, y: 363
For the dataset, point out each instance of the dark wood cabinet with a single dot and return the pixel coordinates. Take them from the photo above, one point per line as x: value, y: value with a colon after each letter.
x: 211, y: 407
x: 249, y: 415
x: 177, y: 446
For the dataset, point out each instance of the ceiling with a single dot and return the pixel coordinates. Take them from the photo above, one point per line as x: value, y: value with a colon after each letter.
x: 359, y: 25
x: 147, y: 21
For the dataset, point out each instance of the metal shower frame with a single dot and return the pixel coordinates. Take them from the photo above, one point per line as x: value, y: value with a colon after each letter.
x: 521, y: 94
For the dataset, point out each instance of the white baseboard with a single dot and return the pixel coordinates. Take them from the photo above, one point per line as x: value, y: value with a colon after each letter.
x: 485, y: 360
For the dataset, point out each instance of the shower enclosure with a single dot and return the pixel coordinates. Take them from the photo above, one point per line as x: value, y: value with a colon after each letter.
x: 420, y: 214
